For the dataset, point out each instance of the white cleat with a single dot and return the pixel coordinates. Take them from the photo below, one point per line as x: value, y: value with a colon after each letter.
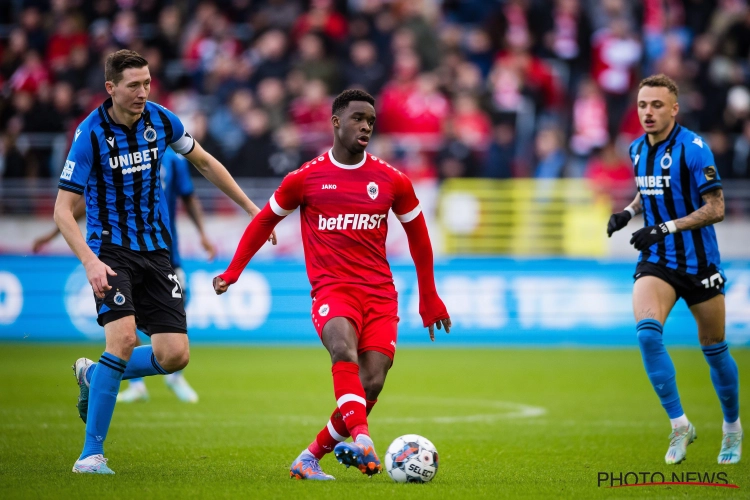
x: 95, y: 464
x: 679, y: 440
x: 181, y: 388
x: 731, y: 448
x: 133, y: 394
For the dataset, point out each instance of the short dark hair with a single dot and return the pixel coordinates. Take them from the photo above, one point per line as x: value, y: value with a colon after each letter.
x: 347, y: 96
x: 661, y: 80
x: 119, y: 61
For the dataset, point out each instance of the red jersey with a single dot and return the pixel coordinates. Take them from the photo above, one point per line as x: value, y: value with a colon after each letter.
x: 344, y: 217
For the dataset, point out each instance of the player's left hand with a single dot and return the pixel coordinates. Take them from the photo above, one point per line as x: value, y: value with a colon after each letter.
x: 650, y: 235
x: 208, y: 247
x: 220, y: 286
x: 445, y: 323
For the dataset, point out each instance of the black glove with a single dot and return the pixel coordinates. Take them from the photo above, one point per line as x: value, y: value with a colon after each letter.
x: 644, y: 238
x: 618, y: 221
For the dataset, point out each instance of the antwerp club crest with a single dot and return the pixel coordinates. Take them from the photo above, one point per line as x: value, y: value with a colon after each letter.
x: 324, y: 310
x: 372, y: 190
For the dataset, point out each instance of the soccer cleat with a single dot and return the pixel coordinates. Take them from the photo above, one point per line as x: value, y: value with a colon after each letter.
x: 134, y: 393
x: 679, y: 440
x: 361, y: 454
x: 182, y: 389
x: 731, y: 448
x: 308, y: 469
x: 95, y: 464
x: 79, y: 370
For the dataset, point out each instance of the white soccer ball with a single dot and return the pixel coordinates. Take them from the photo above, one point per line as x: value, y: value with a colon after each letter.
x: 411, y: 459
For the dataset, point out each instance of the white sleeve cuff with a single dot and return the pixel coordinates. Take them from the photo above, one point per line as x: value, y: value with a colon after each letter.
x: 277, y: 208
x: 410, y: 216
x: 671, y: 226
x: 631, y: 211
x: 184, y: 144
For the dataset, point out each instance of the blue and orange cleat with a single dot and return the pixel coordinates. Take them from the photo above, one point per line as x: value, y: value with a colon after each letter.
x: 308, y: 468
x: 360, y: 453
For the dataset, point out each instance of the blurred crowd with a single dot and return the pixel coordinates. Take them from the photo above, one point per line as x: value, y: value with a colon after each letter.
x: 464, y: 88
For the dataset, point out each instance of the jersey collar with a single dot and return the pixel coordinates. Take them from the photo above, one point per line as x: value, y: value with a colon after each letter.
x: 108, y: 104
x: 344, y: 166
x: 671, y: 136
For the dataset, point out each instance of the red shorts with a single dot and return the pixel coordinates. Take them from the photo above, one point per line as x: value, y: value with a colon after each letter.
x: 372, y: 312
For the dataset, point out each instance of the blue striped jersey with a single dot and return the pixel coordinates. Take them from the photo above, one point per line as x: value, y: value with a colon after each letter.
x: 117, y: 170
x: 672, y: 176
x: 175, y: 182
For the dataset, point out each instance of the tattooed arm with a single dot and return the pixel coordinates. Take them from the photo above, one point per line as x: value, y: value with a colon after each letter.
x: 710, y: 213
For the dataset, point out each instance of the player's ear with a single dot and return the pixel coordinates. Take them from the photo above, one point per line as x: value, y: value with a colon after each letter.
x: 109, y: 87
x: 335, y: 121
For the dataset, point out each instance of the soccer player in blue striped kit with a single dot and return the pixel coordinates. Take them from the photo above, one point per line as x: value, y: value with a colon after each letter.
x: 114, y: 163
x: 681, y: 198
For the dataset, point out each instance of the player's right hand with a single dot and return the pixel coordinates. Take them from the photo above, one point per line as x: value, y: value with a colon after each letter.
x: 96, y: 273
x: 618, y: 221
x: 220, y: 286
x: 40, y: 243
x: 446, y: 323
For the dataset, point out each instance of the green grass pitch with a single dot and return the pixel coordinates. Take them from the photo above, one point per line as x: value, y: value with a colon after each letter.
x: 508, y: 423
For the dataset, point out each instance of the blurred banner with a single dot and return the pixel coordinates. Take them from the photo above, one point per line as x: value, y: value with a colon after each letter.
x: 491, y: 301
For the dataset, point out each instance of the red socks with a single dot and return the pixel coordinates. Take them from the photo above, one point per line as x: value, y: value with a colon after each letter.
x: 350, y: 397
x: 351, y: 402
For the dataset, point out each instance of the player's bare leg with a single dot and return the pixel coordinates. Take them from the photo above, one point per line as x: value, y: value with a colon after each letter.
x: 136, y: 390
x: 653, y: 300
x: 710, y: 317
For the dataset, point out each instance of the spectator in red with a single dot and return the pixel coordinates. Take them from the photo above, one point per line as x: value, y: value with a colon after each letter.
x: 321, y: 18
x: 589, y: 120
x: 616, y: 53
x: 534, y: 74
x: 69, y: 33
x: 472, y: 126
x: 610, y: 173
x: 311, y: 112
x: 411, y: 107
x: 30, y: 75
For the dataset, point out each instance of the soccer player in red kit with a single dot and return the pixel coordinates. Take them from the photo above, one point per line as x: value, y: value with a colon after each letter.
x: 345, y: 196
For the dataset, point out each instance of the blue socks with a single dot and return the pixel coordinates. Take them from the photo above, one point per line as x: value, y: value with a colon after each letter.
x: 105, y: 383
x: 659, y: 366
x: 726, y: 379
x: 142, y: 364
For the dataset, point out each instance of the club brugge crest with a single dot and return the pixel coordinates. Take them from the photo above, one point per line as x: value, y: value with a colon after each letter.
x: 372, y: 190
x: 119, y: 299
x: 324, y: 309
x: 149, y: 134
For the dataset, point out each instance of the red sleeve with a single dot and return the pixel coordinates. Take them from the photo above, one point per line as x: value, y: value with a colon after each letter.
x: 408, y: 211
x: 288, y: 196
x: 284, y: 201
x: 256, y: 234
x: 405, y: 203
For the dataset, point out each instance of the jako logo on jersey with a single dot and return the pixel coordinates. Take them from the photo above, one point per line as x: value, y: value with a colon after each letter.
x: 78, y: 132
x: 67, y: 172
x: 652, y: 181
x: 350, y: 221
x: 134, y: 160
x: 329, y: 186
x: 372, y: 190
x: 324, y: 310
